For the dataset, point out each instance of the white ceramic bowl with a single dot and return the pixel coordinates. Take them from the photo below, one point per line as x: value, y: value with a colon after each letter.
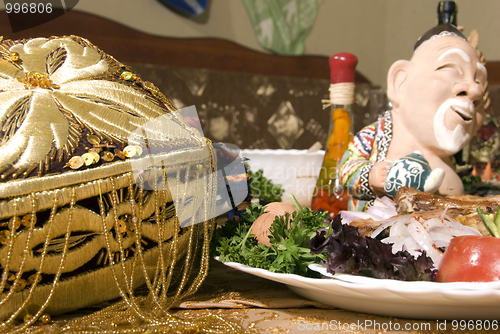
x: 296, y: 170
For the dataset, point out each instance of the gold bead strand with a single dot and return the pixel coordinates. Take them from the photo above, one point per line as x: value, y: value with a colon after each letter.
x: 131, y: 306
x: 174, y: 250
x: 5, y: 274
x: 157, y: 279
x: 137, y: 231
x: 202, y: 273
x: 187, y: 259
x: 19, y: 274
x: 117, y: 200
x: 160, y: 225
x: 50, y: 223
x: 209, y: 228
x: 26, y: 300
x: 134, y: 218
x: 175, y: 241
x: 63, y: 255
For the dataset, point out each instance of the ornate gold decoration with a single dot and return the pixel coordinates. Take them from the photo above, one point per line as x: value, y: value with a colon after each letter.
x: 14, y: 56
x: 75, y: 162
x: 33, y: 80
x: 107, y: 156
x: 65, y: 103
x: 58, y: 87
x: 46, y: 319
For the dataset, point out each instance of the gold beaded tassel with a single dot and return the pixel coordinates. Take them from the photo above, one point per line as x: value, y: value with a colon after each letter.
x: 174, y: 250
x: 5, y: 274
x: 155, y: 308
x: 208, y: 229
x: 143, y: 313
x: 162, y: 280
x: 131, y: 300
x: 22, y: 283
x: 45, y: 318
x: 130, y: 303
x: 30, y: 319
x: 138, y: 256
x: 159, y: 276
x: 136, y: 213
x: 210, y: 187
x: 188, y: 257
x: 18, y: 281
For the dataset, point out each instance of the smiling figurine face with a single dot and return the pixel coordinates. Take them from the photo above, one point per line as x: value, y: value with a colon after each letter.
x: 439, y: 94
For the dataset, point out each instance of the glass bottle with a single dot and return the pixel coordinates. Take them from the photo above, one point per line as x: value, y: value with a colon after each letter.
x: 447, y: 12
x: 329, y: 195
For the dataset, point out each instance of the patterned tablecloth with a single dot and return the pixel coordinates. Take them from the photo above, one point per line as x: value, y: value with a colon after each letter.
x: 263, y: 306
x: 230, y: 301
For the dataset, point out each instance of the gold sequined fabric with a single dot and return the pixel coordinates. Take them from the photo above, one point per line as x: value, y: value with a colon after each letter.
x: 86, y: 212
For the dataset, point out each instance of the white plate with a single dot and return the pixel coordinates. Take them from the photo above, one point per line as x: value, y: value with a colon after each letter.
x: 295, y: 170
x: 413, y: 300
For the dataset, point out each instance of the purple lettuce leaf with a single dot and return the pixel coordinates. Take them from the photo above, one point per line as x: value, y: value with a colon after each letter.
x: 349, y: 252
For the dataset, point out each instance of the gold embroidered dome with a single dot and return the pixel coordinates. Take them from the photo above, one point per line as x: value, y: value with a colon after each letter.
x: 55, y: 92
x: 85, y: 150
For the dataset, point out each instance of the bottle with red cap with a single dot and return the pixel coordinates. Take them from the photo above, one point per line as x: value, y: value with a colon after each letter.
x: 329, y: 195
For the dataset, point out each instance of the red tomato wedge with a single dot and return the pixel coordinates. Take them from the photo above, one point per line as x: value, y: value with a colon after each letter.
x: 471, y: 258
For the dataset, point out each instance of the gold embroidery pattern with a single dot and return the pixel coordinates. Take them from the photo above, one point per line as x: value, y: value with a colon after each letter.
x: 92, y: 226
x: 55, y: 90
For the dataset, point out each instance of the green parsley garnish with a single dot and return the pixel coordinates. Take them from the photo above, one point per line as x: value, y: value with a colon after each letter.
x: 289, y: 236
x: 264, y: 188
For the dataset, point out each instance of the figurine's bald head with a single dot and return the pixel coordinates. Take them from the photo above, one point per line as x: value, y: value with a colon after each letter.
x: 437, y: 95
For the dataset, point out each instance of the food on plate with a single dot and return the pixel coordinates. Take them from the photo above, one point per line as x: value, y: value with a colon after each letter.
x: 416, y: 231
x: 382, y: 242
x: 416, y: 234
x: 461, y: 208
x: 473, y: 258
x: 263, y: 188
x: 350, y: 252
x: 289, y: 235
x: 260, y: 227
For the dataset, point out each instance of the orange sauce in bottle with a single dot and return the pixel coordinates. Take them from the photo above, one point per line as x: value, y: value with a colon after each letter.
x: 329, y: 195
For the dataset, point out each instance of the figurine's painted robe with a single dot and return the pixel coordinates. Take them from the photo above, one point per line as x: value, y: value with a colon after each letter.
x: 370, y: 145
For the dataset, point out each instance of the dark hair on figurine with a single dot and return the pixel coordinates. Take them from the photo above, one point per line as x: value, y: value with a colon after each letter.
x: 444, y: 29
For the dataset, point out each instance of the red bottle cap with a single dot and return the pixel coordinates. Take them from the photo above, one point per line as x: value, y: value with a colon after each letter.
x: 342, y: 67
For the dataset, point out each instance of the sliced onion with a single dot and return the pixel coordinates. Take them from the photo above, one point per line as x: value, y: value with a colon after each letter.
x: 441, y: 243
x: 389, y: 203
x: 442, y: 238
x: 419, y: 233
x: 399, y: 229
x: 452, y: 223
x: 382, y: 227
x: 412, y: 246
x: 416, y: 234
x: 382, y: 213
x: 349, y: 216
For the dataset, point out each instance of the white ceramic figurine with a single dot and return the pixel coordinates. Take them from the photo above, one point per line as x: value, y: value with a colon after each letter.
x: 437, y: 107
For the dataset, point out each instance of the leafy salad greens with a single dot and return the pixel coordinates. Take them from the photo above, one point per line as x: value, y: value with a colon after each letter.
x: 289, y: 251
x: 305, y: 237
x: 349, y: 252
x: 264, y: 188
